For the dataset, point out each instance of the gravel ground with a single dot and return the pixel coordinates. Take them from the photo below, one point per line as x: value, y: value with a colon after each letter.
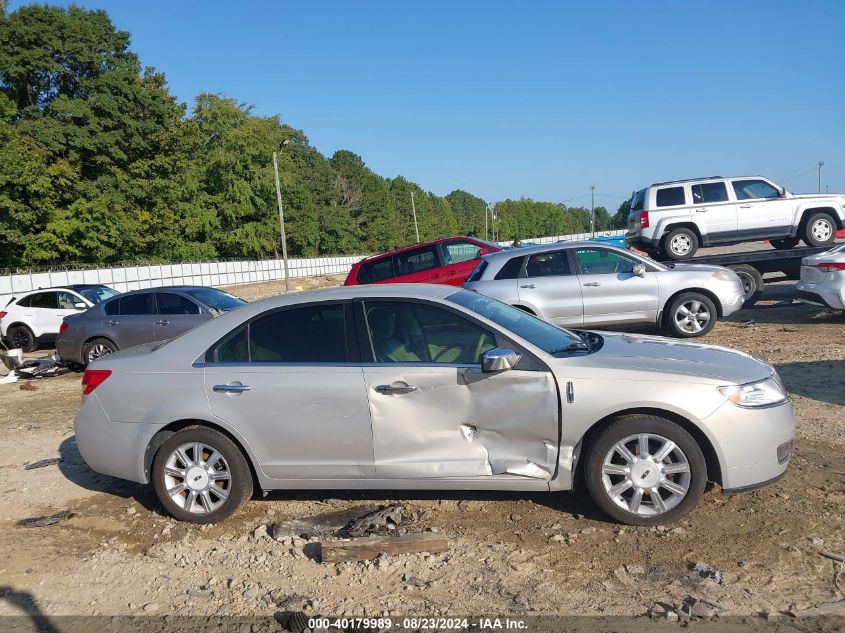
x: 515, y: 554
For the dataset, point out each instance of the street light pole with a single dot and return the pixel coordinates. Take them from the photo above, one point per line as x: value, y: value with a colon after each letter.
x: 414, y: 210
x: 593, y: 210
x: 821, y: 164
x: 281, y: 212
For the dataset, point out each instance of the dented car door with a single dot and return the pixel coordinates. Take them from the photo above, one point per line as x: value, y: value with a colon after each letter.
x: 436, y: 414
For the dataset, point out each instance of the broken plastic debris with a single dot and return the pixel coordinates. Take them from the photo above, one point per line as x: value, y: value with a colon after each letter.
x: 469, y: 431
x: 46, y: 520
x: 44, y: 462
x: 6, y: 380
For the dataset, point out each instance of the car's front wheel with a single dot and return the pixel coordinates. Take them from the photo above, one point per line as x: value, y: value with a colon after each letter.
x: 645, y: 470
x: 22, y: 337
x: 688, y: 315
x: 201, y: 476
x: 820, y: 229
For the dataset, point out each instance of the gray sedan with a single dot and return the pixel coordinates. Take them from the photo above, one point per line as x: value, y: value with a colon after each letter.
x: 590, y: 284
x: 141, y: 316
x: 429, y: 387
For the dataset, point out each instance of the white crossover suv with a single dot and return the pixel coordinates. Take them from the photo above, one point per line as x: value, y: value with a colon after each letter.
x: 670, y: 220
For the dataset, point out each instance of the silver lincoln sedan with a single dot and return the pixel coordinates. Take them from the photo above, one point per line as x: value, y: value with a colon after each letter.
x: 592, y: 284
x: 429, y: 387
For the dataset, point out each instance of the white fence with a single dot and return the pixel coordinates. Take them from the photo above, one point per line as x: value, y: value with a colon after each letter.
x: 224, y: 273
x: 575, y: 237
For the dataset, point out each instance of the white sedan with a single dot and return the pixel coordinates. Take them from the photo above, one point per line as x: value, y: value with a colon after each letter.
x: 823, y: 279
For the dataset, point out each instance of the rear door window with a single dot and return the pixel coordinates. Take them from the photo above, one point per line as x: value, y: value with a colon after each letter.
x: 551, y: 264
x: 377, y: 270
x: 416, y: 260
x: 137, y: 304
x: 511, y: 269
x: 709, y: 192
x: 671, y: 197
x: 48, y: 300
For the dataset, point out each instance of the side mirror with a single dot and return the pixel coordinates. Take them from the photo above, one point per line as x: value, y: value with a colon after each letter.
x: 79, y: 305
x: 638, y: 270
x: 482, y: 252
x: 781, y: 192
x: 499, y: 359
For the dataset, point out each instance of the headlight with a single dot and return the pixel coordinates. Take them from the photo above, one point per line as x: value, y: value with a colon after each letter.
x: 765, y: 393
x: 724, y: 275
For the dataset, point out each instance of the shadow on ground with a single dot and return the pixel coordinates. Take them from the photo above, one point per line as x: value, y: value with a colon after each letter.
x: 822, y: 380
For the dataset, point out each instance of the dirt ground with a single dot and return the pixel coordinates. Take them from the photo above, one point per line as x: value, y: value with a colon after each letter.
x: 509, y: 553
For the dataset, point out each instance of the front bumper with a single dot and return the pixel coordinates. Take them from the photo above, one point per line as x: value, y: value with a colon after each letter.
x: 753, y: 445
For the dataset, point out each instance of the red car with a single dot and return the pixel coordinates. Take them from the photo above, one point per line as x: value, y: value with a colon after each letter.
x: 446, y: 261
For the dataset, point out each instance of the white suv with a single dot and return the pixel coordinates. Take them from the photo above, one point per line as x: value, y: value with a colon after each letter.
x: 672, y: 219
x: 35, y: 317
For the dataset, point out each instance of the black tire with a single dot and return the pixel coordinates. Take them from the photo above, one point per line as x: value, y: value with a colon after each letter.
x: 680, y: 244
x: 788, y: 242
x: 816, y: 223
x: 21, y: 336
x: 632, y: 425
x: 238, y: 486
x: 96, y: 348
x: 752, y: 281
x: 673, y: 328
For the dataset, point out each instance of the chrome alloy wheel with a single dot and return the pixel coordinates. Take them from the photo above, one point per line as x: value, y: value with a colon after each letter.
x: 692, y: 316
x: 97, y: 351
x: 681, y: 244
x: 197, y: 478
x: 822, y: 229
x: 646, y: 474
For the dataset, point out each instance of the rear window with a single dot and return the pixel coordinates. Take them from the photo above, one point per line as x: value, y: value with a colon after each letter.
x: 478, y: 272
x: 671, y: 197
x: 638, y: 201
x: 376, y: 270
x: 416, y: 260
x: 512, y: 269
x: 709, y: 192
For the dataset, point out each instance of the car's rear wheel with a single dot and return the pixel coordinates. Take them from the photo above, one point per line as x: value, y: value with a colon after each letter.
x: 690, y: 314
x: 22, y: 337
x: 645, y: 470
x: 97, y: 348
x: 820, y: 229
x: 788, y: 242
x: 680, y: 244
x: 201, y: 476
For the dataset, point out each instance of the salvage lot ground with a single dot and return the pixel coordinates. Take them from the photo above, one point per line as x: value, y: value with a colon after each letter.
x: 523, y: 554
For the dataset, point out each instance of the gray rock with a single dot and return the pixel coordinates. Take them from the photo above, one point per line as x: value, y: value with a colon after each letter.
x: 260, y: 532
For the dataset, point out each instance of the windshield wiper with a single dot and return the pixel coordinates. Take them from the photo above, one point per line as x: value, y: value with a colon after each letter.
x: 571, y: 348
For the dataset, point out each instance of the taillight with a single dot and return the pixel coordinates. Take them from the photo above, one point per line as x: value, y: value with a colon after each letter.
x: 2, y: 314
x: 643, y: 219
x: 63, y: 327
x: 829, y: 267
x: 93, y: 378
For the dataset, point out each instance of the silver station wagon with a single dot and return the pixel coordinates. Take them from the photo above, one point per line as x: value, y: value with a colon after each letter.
x: 429, y: 387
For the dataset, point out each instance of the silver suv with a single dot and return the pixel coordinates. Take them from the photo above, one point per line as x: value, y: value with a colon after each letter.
x: 671, y: 220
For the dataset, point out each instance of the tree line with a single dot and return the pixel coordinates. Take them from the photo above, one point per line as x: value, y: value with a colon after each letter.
x: 100, y: 163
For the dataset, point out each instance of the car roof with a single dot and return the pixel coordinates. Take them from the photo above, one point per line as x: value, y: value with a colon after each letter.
x: 429, y: 243
x: 705, y: 178
x: 374, y: 291
x: 542, y: 248
x: 68, y: 287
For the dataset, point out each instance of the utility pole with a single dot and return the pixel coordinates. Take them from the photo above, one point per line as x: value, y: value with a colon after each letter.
x: 593, y: 210
x: 821, y: 164
x: 414, y: 210
x: 486, y: 209
x: 281, y: 211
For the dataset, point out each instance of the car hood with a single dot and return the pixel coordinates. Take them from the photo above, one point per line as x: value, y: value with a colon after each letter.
x: 673, y: 360
x: 819, y: 196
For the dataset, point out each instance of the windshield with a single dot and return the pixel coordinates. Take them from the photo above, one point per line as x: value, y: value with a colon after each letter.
x: 97, y: 294
x: 549, y: 338
x: 214, y: 298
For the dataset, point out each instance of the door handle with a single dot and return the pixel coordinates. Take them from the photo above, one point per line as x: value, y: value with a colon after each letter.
x: 592, y: 283
x: 528, y: 286
x: 398, y: 389
x: 745, y: 206
x: 231, y: 388
x: 701, y: 210
x: 162, y: 322
x: 112, y: 322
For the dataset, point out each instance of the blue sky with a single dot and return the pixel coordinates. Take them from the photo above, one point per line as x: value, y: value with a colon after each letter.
x: 541, y: 99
